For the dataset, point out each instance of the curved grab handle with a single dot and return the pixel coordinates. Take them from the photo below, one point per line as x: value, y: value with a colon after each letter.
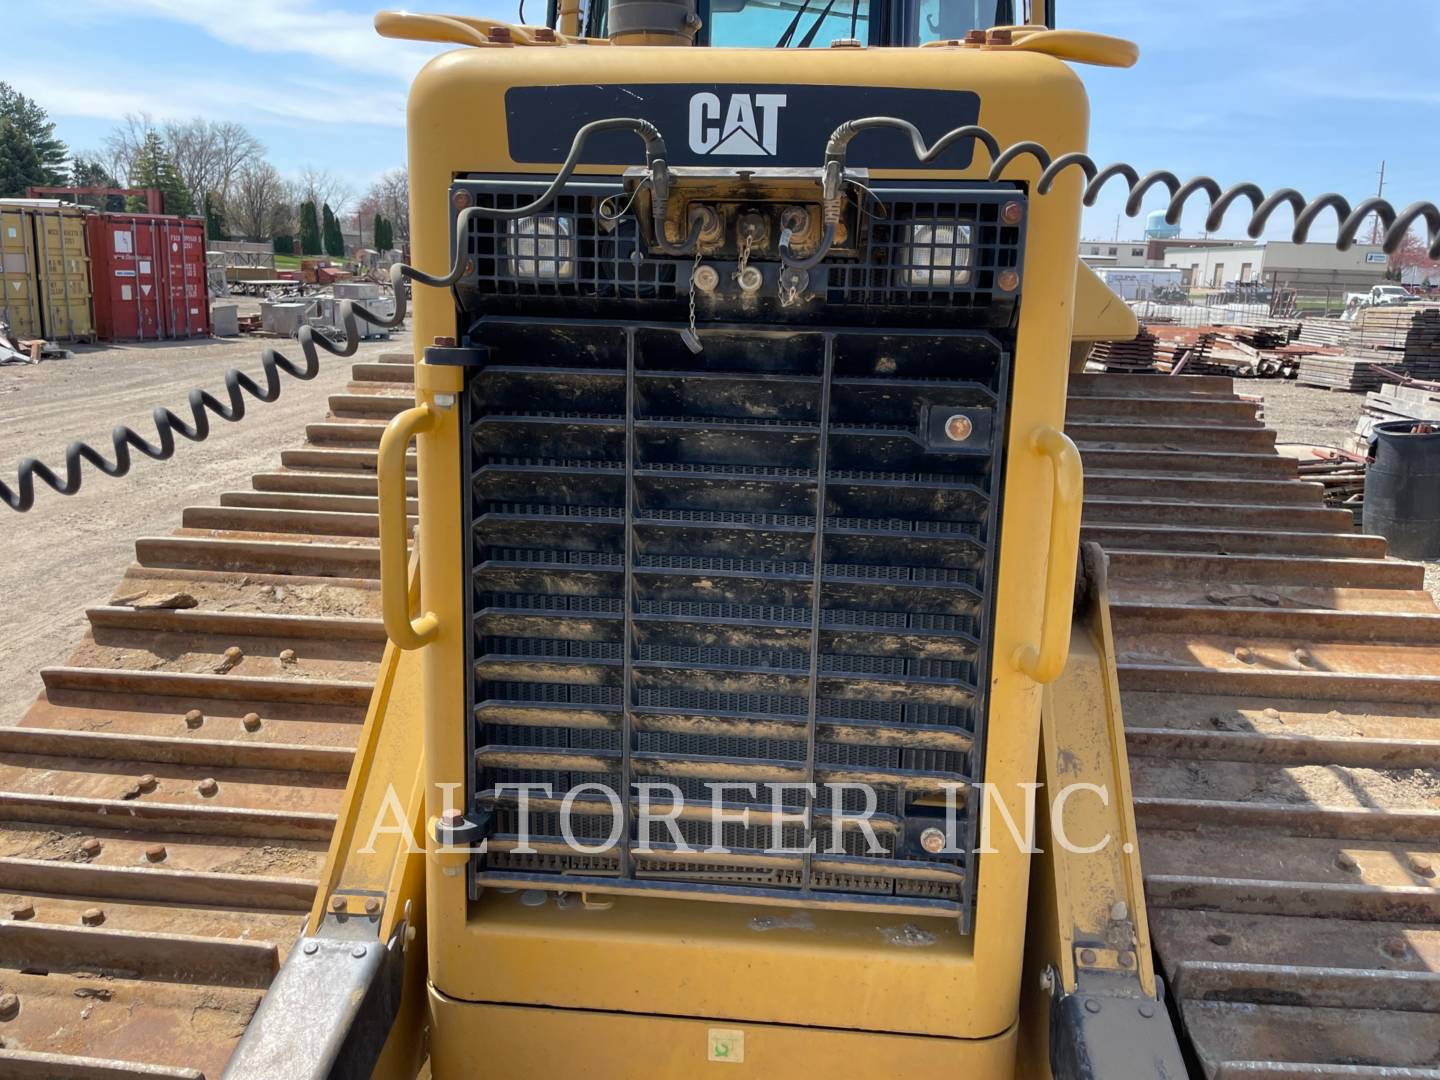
x: 440, y: 29
x: 1080, y: 46
x: 405, y: 632
x: 1047, y: 662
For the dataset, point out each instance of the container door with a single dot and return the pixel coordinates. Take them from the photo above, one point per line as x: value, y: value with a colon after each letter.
x: 197, y: 285
x: 120, y: 241
x: 18, y: 303
x: 149, y: 279
x: 167, y: 259
x: 184, y: 241
x: 134, y: 298
x: 64, y: 275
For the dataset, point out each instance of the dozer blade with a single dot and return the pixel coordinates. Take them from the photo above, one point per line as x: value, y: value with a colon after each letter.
x: 1280, y: 681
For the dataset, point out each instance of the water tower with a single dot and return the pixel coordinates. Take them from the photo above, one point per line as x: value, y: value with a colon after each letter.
x: 1157, y: 229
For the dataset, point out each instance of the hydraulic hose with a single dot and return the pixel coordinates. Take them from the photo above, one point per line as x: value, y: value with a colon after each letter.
x: 1397, y: 223
x: 794, y: 262
x: 238, y: 384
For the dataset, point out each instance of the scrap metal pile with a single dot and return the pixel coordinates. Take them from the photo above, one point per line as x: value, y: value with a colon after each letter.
x: 15, y: 350
x: 1326, y: 353
x: 287, y: 308
x: 1340, y: 473
x: 1246, y: 351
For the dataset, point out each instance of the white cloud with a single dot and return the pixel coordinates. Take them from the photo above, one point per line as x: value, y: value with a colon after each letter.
x: 301, y: 27
x: 81, y: 91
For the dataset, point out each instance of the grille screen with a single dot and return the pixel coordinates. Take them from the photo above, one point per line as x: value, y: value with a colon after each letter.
x: 764, y: 563
x: 934, y: 253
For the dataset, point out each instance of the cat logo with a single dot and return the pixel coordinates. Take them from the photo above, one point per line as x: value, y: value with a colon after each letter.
x: 748, y: 126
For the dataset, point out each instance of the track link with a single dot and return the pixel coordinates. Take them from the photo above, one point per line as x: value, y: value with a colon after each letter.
x: 1280, y: 680
x: 167, y: 802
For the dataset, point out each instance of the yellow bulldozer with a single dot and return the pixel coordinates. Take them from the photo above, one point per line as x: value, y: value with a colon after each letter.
x: 741, y: 676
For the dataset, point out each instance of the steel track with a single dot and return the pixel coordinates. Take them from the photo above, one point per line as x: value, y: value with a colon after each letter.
x: 1281, y: 684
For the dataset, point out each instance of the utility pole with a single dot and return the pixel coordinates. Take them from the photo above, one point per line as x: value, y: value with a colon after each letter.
x: 1379, y: 193
x: 1117, y: 228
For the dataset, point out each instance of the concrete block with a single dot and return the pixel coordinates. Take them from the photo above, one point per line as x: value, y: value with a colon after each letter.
x: 225, y: 320
x: 356, y: 290
x: 282, y: 318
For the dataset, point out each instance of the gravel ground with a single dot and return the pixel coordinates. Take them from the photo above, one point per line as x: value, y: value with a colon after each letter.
x: 68, y: 553
x: 1307, y: 414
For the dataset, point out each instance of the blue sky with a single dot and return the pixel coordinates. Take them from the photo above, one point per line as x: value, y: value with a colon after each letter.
x: 1308, y: 93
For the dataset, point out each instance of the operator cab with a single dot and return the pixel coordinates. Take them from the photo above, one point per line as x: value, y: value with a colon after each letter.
x: 819, y: 24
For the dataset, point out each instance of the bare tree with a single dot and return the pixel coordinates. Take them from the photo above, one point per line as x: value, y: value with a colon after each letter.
x: 123, y: 145
x: 258, y: 201
x: 210, y: 154
x: 321, y: 187
x: 235, y: 148
x: 391, y: 197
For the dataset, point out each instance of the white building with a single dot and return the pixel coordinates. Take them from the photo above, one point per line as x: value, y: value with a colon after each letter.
x: 1100, y: 253
x: 1311, y: 269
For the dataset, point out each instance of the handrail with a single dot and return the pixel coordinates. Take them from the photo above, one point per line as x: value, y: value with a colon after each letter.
x: 1047, y: 662
x: 405, y: 632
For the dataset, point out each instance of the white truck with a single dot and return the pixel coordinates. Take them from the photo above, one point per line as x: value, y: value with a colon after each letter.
x: 1378, y: 296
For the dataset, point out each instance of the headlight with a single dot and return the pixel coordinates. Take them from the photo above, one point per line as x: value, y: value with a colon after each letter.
x: 934, y: 254
x: 541, y: 248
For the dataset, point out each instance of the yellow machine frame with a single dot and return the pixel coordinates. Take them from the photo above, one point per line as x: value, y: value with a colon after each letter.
x: 590, y: 987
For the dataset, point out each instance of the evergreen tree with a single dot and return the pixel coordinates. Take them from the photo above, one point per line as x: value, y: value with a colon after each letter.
x: 309, y: 230
x: 36, y: 128
x: 377, y: 232
x: 214, y: 216
x: 284, y: 245
x: 87, y: 172
x: 154, y: 168
x: 20, y: 167
x: 384, y: 234
x: 334, y: 239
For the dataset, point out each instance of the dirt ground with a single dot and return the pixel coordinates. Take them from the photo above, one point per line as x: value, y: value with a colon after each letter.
x: 1308, y: 414
x: 68, y: 553
x: 1305, y: 413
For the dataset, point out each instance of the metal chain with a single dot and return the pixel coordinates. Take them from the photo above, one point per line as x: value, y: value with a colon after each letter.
x: 691, y: 335
x: 744, y: 256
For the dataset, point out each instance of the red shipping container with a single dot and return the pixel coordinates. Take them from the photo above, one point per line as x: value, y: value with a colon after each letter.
x: 149, y: 277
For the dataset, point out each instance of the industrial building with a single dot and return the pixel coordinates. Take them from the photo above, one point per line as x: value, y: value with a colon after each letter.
x: 1128, y: 253
x: 1317, y: 269
x: 1160, y: 236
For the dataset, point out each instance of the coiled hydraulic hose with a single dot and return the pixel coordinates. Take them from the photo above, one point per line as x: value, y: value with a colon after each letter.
x: 167, y: 424
x: 1396, y: 223
x: 202, y: 403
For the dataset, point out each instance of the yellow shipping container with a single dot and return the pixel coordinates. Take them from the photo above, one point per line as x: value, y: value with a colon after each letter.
x: 46, y: 272
x: 18, y: 284
x: 62, y: 253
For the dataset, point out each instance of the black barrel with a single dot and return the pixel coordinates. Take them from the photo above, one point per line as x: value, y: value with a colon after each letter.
x: 1402, y: 488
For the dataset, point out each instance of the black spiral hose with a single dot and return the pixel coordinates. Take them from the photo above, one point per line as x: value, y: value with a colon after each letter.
x: 168, y: 424
x: 1397, y: 223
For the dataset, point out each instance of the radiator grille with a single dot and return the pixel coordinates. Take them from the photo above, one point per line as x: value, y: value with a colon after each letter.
x: 763, y: 563
x: 933, y: 253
